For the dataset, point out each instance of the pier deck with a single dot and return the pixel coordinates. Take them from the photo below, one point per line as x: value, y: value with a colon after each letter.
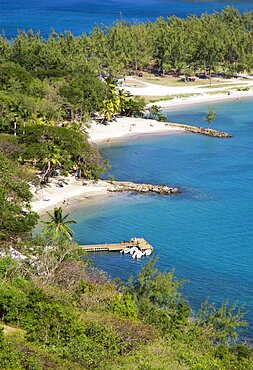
x: 140, y: 243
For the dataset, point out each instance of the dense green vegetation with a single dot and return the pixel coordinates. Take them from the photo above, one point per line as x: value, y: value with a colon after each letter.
x: 59, y: 80
x: 14, y: 196
x: 213, y: 41
x: 81, y: 320
x: 34, y: 156
x: 57, y: 311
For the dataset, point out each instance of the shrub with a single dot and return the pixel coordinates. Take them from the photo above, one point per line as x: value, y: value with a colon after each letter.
x: 8, y: 268
x: 47, y: 321
x: 13, y: 303
x: 124, y: 306
x: 8, y: 358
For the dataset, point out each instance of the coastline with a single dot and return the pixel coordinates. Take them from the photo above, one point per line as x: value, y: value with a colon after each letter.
x: 54, y: 195
x: 126, y: 127
x: 123, y: 128
x: 68, y: 192
x: 73, y: 190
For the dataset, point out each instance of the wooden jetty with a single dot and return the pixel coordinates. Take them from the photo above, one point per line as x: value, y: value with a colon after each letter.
x: 140, y: 243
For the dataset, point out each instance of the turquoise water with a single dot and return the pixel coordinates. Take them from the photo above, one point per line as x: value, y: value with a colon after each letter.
x: 205, y: 233
x: 80, y: 16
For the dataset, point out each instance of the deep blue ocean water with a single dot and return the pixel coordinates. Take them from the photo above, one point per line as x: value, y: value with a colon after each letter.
x: 206, y: 233
x: 80, y: 16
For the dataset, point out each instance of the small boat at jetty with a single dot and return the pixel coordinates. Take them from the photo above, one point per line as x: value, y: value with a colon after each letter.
x: 137, y: 255
x: 138, y: 251
x: 134, y: 247
x: 125, y: 250
x: 147, y: 252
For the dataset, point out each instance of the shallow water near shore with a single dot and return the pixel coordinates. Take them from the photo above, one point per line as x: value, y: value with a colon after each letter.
x: 205, y: 233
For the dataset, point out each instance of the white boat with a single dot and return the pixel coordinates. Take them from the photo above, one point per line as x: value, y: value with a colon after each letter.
x: 137, y: 255
x: 133, y: 250
x: 125, y: 251
x: 147, y: 252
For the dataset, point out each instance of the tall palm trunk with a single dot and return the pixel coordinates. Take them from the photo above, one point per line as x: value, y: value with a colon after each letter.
x: 47, y: 172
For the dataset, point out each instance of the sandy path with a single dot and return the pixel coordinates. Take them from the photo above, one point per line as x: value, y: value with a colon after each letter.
x: 151, y: 89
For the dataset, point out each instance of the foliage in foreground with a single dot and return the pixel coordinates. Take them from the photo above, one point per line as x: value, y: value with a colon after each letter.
x: 14, y: 197
x: 40, y: 150
x: 80, y: 319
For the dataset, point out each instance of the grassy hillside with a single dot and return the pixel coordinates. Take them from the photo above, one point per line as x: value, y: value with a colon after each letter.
x: 79, y: 319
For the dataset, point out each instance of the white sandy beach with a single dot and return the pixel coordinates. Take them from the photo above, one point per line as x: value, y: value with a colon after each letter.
x: 127, y: 126
x: 53, y: 194
x: 124, y: 127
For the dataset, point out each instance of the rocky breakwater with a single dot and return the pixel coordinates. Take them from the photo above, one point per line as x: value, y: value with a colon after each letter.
x: 122, y: 186
x: 202, y: 131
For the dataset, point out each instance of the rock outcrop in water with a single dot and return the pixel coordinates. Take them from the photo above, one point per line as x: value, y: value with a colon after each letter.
x: 202, y: 131
x: 121, y: 186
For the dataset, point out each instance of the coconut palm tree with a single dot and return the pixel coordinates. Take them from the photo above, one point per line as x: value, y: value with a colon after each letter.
x: 111, y: 107
x: 123, y: 100
x: 52, y: 159
x: 58, y: 227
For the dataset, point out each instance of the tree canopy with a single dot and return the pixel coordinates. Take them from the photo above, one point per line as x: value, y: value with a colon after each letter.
x: 16, y: 219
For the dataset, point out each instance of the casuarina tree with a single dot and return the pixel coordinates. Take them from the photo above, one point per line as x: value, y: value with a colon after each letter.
x: 210, y: 116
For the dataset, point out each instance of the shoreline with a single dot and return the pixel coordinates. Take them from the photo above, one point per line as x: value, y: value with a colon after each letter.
x: 123, y: 128
x: 54, y: 195
x: 74, y: 192
x: 127, y: 127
